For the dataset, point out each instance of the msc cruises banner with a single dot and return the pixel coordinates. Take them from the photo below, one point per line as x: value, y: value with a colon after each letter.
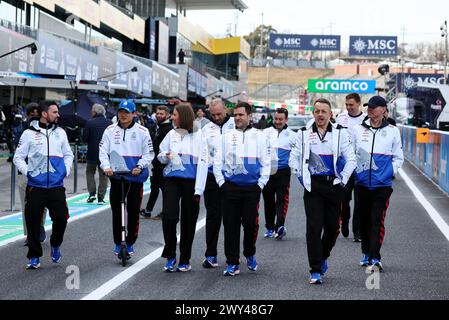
x: 341, y: 86
x: 407, y: 81
x: 373, y: 46
x: 280, y: 41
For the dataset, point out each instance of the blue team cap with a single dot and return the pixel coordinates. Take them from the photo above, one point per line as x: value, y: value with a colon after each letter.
x: 127, y: 105
x: 376, y: 101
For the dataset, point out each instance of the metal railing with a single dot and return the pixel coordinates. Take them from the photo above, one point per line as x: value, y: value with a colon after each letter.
x: 81, y: 44
x: 19, y: 28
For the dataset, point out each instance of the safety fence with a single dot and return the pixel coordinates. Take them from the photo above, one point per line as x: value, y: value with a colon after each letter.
x: 432, y: 157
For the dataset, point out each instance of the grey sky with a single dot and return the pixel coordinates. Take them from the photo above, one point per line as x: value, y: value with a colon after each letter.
x: 421, y: 19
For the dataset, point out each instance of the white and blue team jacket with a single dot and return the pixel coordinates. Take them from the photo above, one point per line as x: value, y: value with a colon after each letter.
x: 190, y: 157
x: 280, y: 144
x: 44, y: 156
x: 213, y: 132
x: 125, y: 149
x: 349, y: 121
x: 379, y: 154
x: 342, y: 160
x: 243, y: 158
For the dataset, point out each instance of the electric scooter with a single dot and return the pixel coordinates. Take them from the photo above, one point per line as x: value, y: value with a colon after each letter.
x: 123, y: 255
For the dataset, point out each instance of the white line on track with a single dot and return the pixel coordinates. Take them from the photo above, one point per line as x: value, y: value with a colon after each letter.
x: 48, y: 227
x: 433, y: 213
x: 130, y: 272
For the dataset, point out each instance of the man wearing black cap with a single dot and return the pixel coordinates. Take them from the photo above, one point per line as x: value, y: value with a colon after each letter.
x: 379, y: 156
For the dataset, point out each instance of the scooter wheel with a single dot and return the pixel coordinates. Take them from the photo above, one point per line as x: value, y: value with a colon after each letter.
x: 123, y: 255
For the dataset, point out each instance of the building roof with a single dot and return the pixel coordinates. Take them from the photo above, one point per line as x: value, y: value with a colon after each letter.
x: 211, y: 4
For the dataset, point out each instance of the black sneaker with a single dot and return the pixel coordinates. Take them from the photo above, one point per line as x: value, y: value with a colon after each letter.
x: 345, y: 230
x: 91, y: 199
x: 158, y: 217
x: 145, y: 213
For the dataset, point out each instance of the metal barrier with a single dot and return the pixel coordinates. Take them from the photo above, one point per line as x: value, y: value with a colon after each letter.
x: 13, y: 187
x: 431, y: 158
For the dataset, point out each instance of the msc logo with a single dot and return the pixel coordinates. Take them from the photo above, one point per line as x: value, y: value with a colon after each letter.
x: 411, y: 82
x: 328, y: 42
x: 288, y: 42
x: 380, y: 46
x: 323, y: 43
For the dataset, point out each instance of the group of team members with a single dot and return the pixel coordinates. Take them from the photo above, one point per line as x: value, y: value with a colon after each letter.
x: 230, y: 164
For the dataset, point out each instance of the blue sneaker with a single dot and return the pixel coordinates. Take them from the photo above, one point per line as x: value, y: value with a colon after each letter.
x: 117, y: 249
x: 130, y: 249
x: 315, y: 278
x: 210, y: 262
x: 170, y: 266
x: 33, y: 264
x: 323, y: 267
x: 365, y: 260
x: 232, y: 270
x: 184, y: 267
x: 282, y: 231
x: 251, y: 263
x: 269, y: 234
x: 375, y: 263
x: 55, y: 254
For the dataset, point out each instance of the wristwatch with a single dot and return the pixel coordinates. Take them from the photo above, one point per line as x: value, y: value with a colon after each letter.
x: 139, y: 167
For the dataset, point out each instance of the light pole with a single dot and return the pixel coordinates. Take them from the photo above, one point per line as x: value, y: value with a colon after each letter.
x: 443, y: 29
x: 32, y: 46
x: 268, y: 80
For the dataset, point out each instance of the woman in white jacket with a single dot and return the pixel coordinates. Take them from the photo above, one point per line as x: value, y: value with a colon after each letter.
x: 184, y: 152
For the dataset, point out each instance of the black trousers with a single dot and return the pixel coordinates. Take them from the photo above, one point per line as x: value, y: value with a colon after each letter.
x: 133, y: 200
x: 240, y: 208
x: 214, y: 213
x: 36, y: 199
x: 322, y: 207
x: 178, y: 189
x: 157, y: 182
x: 346, y: 208
x: 276, y: 198
x: 373, y: 205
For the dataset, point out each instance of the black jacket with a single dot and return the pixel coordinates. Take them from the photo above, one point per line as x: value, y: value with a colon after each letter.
x: 162, y: 130
x: 92, y: 134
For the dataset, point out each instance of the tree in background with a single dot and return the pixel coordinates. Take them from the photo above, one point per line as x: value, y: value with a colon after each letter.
x: 258, y: 50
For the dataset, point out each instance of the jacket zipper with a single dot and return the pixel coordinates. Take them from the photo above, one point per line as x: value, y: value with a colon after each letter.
x: 371, y: 159
x: 302, y: 153
x: 48, y: 157
x: 124, y: 134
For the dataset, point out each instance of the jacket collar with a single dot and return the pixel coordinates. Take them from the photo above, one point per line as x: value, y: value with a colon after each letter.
x: 367, y: 124
x: 224, y: 122
x: 312, y: 125
x: 36, y: 125
x: 130, y: 126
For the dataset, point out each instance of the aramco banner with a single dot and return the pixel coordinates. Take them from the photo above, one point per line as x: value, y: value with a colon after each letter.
x: 341, y: 86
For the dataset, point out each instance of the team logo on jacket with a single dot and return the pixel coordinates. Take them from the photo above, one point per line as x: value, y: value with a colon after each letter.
x: 364, y: 160
x: 316, y: 164
x: 117, y: 162
x: 234, y: 165
x: 38, y: 164
x: 175, y: 164
x: 134, y: 136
